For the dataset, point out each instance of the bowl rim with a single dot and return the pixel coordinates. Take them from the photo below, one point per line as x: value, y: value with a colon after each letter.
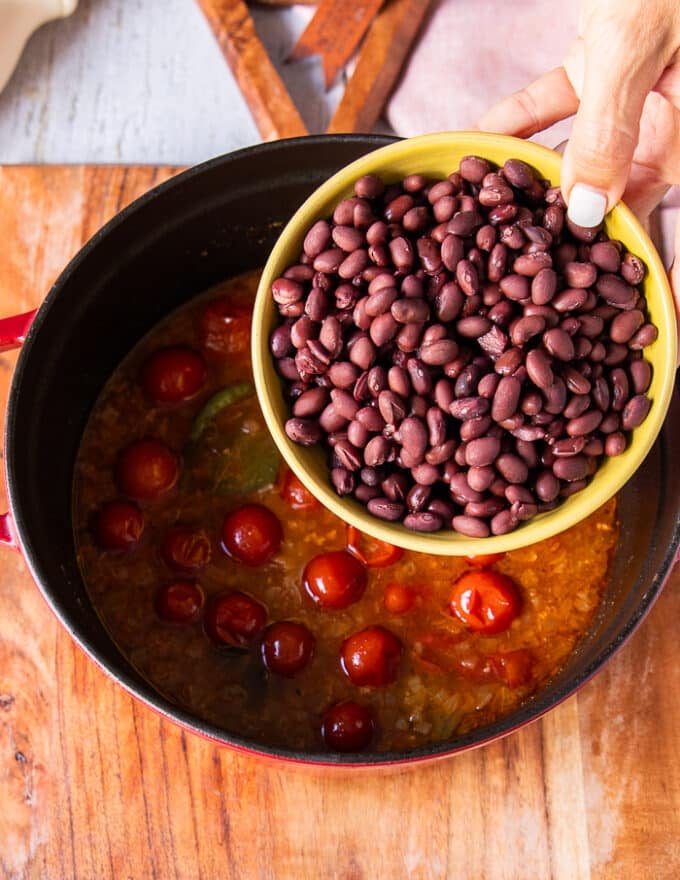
x: 446, y: 542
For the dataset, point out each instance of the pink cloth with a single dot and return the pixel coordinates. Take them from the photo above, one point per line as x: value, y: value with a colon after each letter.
x: 471, y: 53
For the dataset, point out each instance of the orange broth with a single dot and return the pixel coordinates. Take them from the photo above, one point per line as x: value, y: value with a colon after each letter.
x: 450, y: 679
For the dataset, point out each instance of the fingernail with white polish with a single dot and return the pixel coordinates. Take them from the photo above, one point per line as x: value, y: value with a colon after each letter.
x: 587, y: 205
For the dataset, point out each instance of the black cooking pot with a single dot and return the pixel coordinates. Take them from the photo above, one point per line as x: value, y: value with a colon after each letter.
x: 205, y: 225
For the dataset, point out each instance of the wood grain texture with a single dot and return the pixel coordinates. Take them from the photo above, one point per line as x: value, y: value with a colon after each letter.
x: 94, y: 785
x: 380, y: 60
x: 274, y: 112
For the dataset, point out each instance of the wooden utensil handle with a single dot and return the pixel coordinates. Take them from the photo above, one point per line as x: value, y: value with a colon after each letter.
x: 273, y: 110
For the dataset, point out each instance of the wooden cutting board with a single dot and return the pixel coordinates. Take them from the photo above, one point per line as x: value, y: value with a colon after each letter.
x: 94, y: 785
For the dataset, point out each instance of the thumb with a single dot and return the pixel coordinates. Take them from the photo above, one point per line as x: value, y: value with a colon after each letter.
x: 617, y: 77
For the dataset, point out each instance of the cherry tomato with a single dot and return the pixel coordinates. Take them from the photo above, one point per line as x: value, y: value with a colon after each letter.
x: 173, y: 374
x: 180, y: 602
x: 371, y: 657
x: 371, y: 551
x: 485, y: 601
x: 287, y: 647
x: 347, y: 727
x: 225, y: 327
x: 513, y: 668
x: 146, y: 470
x: 398, y: 599
x: 296, y: 495
x: 235, y: 619
x: 484, y: 560
x: 334, y: 579
x: 118, y: 525
x: 186, y: 549
x: 251, y: 534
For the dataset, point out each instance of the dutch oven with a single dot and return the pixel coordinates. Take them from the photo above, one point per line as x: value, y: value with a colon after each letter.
x: 211, y: 222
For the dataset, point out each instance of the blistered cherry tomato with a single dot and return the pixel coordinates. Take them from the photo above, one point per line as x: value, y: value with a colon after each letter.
x: 347, y: 727
x: 287, y: 647
x: 371, y: 657
x: 146, y: 470
x: 251, y: 534
x: 225, y: 327
x: 296, y: 495
x: 398, y: 599
x: 180, y: 602
x: 514, y: 668
x: 173, y: 374
x: 371, y: 551
x: 485, y: 601
x: 186, y: 549
x: 484, y: 560
x: 335, y: 579
x: 235, y: 619
x: 118, y: 525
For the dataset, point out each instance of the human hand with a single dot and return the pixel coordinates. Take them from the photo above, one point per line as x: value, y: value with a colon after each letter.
x: 621, y: 78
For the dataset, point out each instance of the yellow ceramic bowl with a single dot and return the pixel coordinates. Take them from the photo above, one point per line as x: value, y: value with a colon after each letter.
x: 438, y: 155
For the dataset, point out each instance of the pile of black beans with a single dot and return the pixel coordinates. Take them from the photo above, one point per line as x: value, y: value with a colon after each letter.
x: 465, y: 352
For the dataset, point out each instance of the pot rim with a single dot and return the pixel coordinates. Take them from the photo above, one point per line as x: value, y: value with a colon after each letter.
x: 530, y: 711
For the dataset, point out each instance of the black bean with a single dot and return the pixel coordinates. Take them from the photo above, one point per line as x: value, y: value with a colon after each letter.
x: 461, y: 491
x: 559, y: 344
x: 396, y: 486
x: 635, y: 412
x: 343, y: 480
x: 469, y: 407
x: 647, y: 334
x: 531, y: 264
x: 632, y: 268
x: 424, y: 521
x: 506, y: 399
x: 306, y: 432
x: 377, y: 451
x: 474, y: 169
x: 641, y: 375
x: 441, y: 453
x: 571, y: 468
x: 615, y: 291
x: 615, y: 444
x: 471, y: 526
x: 504, y: 522
x: 580, y: 274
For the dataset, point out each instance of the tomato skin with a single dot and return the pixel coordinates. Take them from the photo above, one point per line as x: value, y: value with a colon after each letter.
x: 371, y: 657
x: 287, y: 647
x: 484, y: 560
x: 485, y: 601
x: 371, y: 551
x: 399, y: 599
x: 146, y: 470
x: 180, y: 602
x: 235, y: 619
x: 295, y: 494
x: 118, y: 525
x: 251, y: 534
x: 225, y: 327
x: 186, y: 549
x: 334, y: 579
x: 174, y: 374
x: 513, y: 668
x: 348, y: 727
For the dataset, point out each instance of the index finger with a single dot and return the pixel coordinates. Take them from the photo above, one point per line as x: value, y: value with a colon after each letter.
x: 539, y: 105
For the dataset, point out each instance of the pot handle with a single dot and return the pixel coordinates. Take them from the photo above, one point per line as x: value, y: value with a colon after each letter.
x: 13, y: 330
x: 7, y: 534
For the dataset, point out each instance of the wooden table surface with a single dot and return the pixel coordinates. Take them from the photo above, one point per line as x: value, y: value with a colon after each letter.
x: 95, y: 785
